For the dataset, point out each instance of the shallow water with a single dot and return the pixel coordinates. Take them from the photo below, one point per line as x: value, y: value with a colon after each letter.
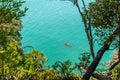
x: 49, y: 24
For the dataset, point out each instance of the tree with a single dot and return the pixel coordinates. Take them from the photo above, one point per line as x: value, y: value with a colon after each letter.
x: 9, y: 60
x: 103, y: 16
x: 106, y: 20
x: 65, y: 70
x: 87, y: 25
x: 84, y: 62
x: 11, y: 9
x: 10, y: 23
x: 33, y: 64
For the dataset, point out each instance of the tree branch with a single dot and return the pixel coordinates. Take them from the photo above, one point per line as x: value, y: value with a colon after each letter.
x: 87, y: 26
x: 100, y: 77
x: 115, y: 64
x: 99, y: 55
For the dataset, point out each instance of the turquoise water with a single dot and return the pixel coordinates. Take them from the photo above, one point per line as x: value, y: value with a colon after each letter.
x: 49, y: 24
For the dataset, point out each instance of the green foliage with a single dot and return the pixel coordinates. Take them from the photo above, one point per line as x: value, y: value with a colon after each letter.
x: 31, y: 66
x: 104, y: 13
x: 84, y: 62
x: 9, y: 60
x: 33, y: 61
x: 11, y: 9
x: 36, y: 59
x: 13, y: 65
x: 47, y: 74
x: 105, y: 19
x: 10, y: 23
x: 115, y: 73
x: 101, y: 71
x: 9, y: 32
x: 65, y: 70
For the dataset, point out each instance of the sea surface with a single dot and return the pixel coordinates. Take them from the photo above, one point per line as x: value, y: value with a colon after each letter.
x: 49, y: 24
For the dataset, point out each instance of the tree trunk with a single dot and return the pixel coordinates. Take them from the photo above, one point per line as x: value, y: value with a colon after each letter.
x: 99, y: 55
x: 95, y: 62
x: 87, y: 28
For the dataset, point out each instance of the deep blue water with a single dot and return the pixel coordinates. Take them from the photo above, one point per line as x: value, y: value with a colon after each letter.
x: 49, y: 24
